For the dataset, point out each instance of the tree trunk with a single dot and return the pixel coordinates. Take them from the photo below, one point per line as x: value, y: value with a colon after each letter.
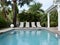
x: 14, y: 13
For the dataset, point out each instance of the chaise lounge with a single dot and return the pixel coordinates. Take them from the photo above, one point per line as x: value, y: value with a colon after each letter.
x: 38, y: 24
x: 21, y: 24
x: 33, y: 24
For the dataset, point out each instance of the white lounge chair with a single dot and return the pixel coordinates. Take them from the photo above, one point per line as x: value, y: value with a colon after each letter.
x: 27, y: 24
x: 33, y: 24
x: 38, y: 24
x: 21, y: 24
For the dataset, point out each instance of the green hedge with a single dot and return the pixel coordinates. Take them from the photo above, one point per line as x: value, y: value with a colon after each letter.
x: 28, y: 17
x: 53, y: 24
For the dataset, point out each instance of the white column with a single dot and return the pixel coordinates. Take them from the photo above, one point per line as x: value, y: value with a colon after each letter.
x: 48, y: 16
x: 58, y: 9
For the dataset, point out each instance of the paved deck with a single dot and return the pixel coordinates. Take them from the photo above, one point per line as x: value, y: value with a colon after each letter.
x: 54, y: 30
x: 4, y: 30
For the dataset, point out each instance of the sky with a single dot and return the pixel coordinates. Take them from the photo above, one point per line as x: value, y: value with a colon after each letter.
x: 45, y: 4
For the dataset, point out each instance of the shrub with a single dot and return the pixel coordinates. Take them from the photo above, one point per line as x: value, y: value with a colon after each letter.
x: 53, y: 24
x: 3, y: 22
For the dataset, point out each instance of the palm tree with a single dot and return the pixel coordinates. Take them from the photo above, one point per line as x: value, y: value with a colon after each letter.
x: 36, y: 8
x: 33, y: 14
x: 21, y: 3
x: 4, y: 8
x: 15, y: 5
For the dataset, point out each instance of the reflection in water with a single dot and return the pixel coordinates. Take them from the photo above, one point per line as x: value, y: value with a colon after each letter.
x: 32, y: 32
x: 58, y: 41
x: 56, y: 35
x: 27, y: 32
x: 38, y: 32
x: 29, y: 38
x: 21, y: 33
x: 48, y: 37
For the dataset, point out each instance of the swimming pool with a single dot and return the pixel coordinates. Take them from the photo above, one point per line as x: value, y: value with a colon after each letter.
x: 28, y: 37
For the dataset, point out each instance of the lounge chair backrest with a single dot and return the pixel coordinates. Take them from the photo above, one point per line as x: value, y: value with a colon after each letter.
x: 21, y: 24
x: 27, y: 24
x: 33, y: 24
x: 38, y: 24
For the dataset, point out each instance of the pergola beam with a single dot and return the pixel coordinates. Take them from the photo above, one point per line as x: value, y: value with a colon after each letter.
x: 57, y: 7
x: 53, y: 7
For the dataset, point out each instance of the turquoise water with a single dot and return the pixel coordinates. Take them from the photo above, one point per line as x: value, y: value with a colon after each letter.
x: 28, y: 37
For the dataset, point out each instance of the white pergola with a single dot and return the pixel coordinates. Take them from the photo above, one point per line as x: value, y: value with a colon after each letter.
x: 56, y: 5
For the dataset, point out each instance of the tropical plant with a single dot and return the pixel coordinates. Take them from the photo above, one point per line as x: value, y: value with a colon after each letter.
x: 43, y: 20
x: 35, y: 13
x: 35, y: 8
x: 54, y: 18
x: 4, y: 8
x: 3, y: 22
x: 29, y: 17
x: 15, y: 7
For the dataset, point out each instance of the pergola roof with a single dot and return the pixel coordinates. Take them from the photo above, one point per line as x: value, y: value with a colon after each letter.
x: 51, y: 8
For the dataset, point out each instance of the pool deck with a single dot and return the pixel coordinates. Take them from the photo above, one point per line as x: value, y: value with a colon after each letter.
x: 52, y: 29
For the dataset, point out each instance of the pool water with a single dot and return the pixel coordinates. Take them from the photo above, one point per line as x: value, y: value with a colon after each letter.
x: 28, y: 37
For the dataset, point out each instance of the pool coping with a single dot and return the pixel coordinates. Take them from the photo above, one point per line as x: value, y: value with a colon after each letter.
x: 49, y: 29
x: 8, y: 29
